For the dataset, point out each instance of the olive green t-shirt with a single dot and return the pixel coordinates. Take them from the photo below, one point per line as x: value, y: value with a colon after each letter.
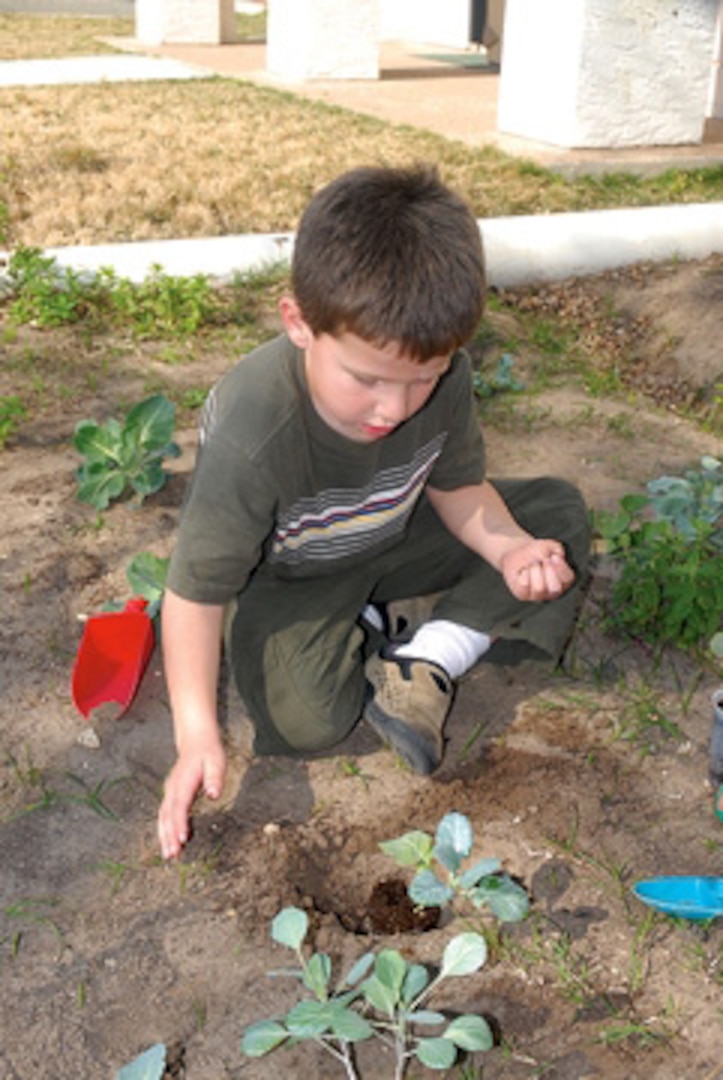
x: 275, y: 485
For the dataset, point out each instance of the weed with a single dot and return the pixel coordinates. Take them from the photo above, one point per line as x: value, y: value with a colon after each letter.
x: 12, y: 411
x: 116, y: 871
x: 28, y: 774
x: 49, y: 797
x: 349, y: 767
x: 129, y: 455
x: 669, y: 590
x: 45, y: 294
x: 163, y: 304
x: 643, y: 721
x: 639, y: 953
x: 501, y: 381
x: 34, y: 912
x: 194, y: 398
x: 622, y: 424
x: 640, y: 1033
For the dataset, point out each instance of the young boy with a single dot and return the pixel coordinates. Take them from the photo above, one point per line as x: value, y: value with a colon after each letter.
x: 341, y: 467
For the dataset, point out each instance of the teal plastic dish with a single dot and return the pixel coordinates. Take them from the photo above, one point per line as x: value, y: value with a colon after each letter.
x: 684, y: 897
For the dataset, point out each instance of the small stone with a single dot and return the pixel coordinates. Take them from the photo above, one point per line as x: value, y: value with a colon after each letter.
x: 88, y: 738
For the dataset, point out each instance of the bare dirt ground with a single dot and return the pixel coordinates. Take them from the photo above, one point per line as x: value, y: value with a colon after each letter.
x: 581, y: 781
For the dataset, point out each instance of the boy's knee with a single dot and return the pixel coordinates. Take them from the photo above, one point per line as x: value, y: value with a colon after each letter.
x: 305, y: 730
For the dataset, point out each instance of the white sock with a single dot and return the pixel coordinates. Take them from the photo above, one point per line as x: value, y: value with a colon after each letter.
x: 453, y: 646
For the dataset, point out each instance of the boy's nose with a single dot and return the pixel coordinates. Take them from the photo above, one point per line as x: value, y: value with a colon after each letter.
x: 393, y: 406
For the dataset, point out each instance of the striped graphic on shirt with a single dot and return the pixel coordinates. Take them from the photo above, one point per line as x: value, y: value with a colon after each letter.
x: 338, y: 523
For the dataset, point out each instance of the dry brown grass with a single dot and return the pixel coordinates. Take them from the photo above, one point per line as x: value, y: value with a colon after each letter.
x: 134, y: 161
x: 26, y: 37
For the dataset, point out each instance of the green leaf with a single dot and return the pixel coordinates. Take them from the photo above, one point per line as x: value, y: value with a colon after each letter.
x: 152, y: 421
x: 504, y: 897
x: 150, y: 1065
x: 412, y: 849
x: 416, y: 979
x: 470, y: 1033
x: 390, y: 969
x: 149, y: 479
x: 350, y: 1026
x: 98, y: 485
x: 98, y: 443
x: 427, y: 890
x: 260, y: 1038
x: 453, y: 840
x: 436, y: 1053
x: 425, y: 1017
x: 289, y: 927
x: 481, y: 869
x: 463, y: 955
x: 358, y: 970
x: 147, y: 574
x: 317, y: 975
x: 380, y: 996
x: 309, y: 1019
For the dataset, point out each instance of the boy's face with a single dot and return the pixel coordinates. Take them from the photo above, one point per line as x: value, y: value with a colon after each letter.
x: 360, y: 390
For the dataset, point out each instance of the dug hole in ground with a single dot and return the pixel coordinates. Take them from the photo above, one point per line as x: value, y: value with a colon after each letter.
x: 581, y: 782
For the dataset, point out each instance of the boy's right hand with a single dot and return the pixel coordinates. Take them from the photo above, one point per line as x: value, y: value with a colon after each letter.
x: 197, y: 767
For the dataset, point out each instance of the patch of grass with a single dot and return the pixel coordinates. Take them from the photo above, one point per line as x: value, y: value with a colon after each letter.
x: 43, y: 37
x: 220, y: 156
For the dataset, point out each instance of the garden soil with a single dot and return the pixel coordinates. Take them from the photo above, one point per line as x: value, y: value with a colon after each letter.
x: 582, y: 781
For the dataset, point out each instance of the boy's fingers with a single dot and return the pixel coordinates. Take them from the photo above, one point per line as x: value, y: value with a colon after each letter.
x: 213, y: 780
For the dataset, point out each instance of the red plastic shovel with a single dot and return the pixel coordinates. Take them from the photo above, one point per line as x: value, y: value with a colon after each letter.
x: 113, y: 654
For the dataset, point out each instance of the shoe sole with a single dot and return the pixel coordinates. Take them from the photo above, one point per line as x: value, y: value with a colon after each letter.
x: 406, y: 742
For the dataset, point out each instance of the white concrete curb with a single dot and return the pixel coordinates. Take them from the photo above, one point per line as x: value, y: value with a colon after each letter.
x: 524, y: 250
x: 519, y: 250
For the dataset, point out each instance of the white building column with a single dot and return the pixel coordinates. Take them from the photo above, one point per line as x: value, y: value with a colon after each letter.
x: 603, y: 73
x: 715, y: 97
x: 322, y: 39
x: 188, y: 22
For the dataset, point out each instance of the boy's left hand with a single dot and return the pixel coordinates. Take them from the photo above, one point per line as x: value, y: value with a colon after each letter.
x: 537, y: 570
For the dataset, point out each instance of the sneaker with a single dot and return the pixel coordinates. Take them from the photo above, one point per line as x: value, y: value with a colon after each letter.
x: 408, y: 707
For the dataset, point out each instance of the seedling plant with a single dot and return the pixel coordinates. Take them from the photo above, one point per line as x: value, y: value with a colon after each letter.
x: 123, y: 457
x: 146, y: 575
x: 440, y: 878
x: 381, y: 996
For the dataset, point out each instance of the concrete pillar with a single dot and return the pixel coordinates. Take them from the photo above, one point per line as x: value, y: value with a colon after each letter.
x: 715, y: 97
x: 322, y: 39
x: 192, y: 22
x: 603, y: 73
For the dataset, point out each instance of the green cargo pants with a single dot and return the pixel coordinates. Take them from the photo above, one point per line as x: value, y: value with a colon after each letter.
x: 296, y: 647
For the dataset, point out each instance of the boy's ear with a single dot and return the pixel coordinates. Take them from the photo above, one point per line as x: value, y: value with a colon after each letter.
x: 294, y: 325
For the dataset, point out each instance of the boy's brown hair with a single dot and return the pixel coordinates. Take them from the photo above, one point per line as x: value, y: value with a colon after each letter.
x: 391, y: 255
